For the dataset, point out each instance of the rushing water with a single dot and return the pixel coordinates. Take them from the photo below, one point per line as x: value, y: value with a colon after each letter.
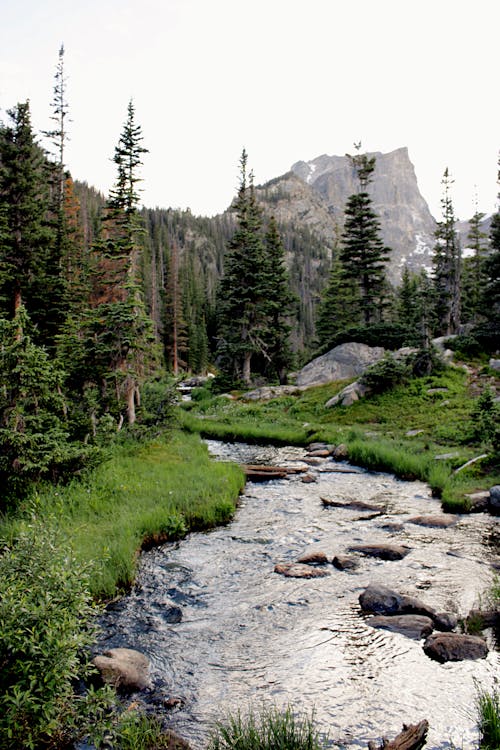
x: 225, y: 632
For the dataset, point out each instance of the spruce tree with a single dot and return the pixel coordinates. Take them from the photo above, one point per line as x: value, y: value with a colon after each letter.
x: 279, y: 301
x: 241, y: 295
x: 24, y: 233
x: 490, y: 296
x: 472, y: 270
x: 363, y: 254
x: 447, y: 266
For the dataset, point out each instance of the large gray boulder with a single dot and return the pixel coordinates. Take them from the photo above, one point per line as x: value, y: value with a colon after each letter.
x: 341, y: 363
x: 382, y: 600
x: 494, y: 499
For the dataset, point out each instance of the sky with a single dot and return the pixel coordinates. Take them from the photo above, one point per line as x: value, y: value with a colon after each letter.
x: 287, y: 80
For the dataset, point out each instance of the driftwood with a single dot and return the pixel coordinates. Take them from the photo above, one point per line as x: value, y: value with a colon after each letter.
x: 260, y: 473
x: 412, y: 737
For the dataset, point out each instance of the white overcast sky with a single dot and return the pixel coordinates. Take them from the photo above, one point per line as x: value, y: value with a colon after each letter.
x: 286, y: 79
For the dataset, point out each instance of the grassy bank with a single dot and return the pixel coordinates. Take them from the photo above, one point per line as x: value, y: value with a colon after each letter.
x: 139, y: 496
x: 421, y: 430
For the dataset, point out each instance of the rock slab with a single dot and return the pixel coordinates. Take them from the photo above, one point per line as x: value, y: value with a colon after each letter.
x: 340, y: 363
x: 412, y: 626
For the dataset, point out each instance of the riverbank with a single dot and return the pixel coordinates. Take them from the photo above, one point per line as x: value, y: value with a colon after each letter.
x: 142, y: 495
x: 425, y: 429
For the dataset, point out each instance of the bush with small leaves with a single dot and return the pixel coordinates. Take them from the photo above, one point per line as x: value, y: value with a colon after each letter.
x: 46, y: 631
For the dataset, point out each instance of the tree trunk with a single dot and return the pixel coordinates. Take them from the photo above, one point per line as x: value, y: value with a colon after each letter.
x: 247, y: 373
x: 411, y: 738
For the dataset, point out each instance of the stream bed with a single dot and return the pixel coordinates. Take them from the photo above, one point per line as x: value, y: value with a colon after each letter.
x: 225, y: 632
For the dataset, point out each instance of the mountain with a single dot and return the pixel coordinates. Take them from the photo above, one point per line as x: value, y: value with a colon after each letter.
x: 314, y: 194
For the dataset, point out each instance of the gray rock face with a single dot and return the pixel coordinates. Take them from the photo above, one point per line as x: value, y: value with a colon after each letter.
x: 412, y: 626
x: 123, y: 668
x: 340, y: 363
x: 407, y: 225
x: 445, y: 647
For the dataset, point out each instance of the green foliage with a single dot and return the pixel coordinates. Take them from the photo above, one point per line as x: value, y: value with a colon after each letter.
x: 389, y: 335
x: 34, y: 437
x: 139, y: 731
x: 46, y: 630
x: 447, y: 266
x: 385, y: 374
x: 486, y: 421
x: 488, y: 709
x: 271, y: 729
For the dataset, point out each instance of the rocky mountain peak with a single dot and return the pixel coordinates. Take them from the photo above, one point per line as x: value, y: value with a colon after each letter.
x: 315, y: 193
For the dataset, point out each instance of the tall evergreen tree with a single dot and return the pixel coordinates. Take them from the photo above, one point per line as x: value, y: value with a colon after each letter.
x: 120, y: 333
x: 241, y: 308
x: 490, y: 297
x: 25, y: 236
x: 363, y: 254
x: 447, y: 266
x: 472, y: 270
x: 279, y: 300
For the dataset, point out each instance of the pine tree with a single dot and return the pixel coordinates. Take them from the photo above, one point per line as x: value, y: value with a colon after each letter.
x: 241, y: 309
x: 363, y: 254
x: 24, y: 233
x: 472, y: 270
x: 490, y: 297
x: 119, y: 331
x: 447, y: 266
x: 278, y: 301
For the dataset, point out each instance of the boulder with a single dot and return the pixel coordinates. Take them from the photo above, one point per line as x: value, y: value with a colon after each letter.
x: 385, y: 601
x: 494, y: 364
x: 412, y: 626
x: 308, y: 478
x: 299, y: 570
x: 343, y: 562
x: 341, y: 452
x: 349, y: 395
x: 435, y: 522
x: 266, y: 393
x: 341, y: 363
x: 381, y: 551
x: 125, y: 669
x: 494, y: 500
x: 478, y: 501
x: 445, y: 647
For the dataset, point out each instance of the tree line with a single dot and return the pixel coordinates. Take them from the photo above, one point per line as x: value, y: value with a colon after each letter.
x: 99, y: 298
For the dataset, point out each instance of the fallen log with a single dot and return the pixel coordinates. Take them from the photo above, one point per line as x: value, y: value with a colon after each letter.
x: 261, y: 473
x: 412, y: 737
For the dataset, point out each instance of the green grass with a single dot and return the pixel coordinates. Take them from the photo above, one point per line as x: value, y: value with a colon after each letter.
x: 488, y: 708
x: 138, y: 497
x: 270, y: 729
x: 374, y: 429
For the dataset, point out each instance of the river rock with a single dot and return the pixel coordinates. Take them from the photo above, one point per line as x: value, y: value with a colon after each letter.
x: 300, y: 570
x: 435, y: 522
x: 341, y: 363
x: 341, y: 452
x: 494, y: 501
x: 314, y: 558
x: 381, y: 551
x: 352, y: 505
x: 385, y: 601
x: 343, y: 562
x: 484, y: 618
x: 125, y: 669
x: 308, y: 479
x: 445, y: 647
x: 478, y: 501
x: 412, y: 626
x: 172, y: 614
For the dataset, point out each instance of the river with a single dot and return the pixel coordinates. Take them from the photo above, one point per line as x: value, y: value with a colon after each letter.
x: 225, y: 632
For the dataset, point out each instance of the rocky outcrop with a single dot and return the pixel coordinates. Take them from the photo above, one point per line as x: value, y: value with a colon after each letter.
x: 412, y: 626
x: 407, y: 226
x: 340, y: 363
x: 349, y: 395
x: 445, y: 647
x: 125, y: 669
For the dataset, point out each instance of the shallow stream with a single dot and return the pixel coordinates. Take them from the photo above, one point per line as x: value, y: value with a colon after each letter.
x: 224, y: 631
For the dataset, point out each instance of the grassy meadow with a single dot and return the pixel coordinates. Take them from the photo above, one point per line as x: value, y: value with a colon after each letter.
x: 424, y: 429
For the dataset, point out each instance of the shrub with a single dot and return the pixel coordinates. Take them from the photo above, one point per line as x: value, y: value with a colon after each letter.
x: 46, y: 629
x: 270, y: 730
x: 385, y: 374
